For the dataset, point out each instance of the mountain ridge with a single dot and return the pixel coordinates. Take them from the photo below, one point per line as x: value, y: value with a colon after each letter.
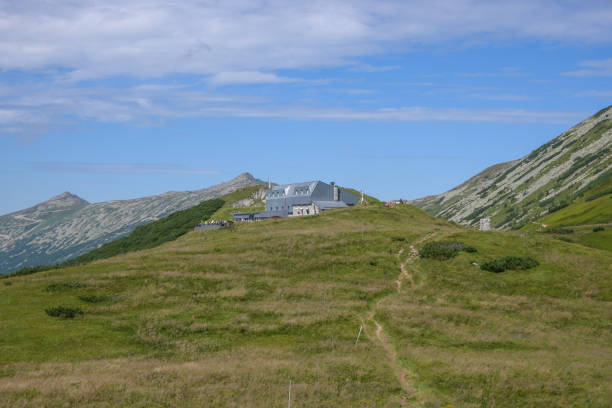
x: 66, y: 225
x: 552, y: 176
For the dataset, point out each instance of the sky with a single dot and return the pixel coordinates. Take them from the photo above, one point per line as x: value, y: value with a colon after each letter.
x: 401, y: 99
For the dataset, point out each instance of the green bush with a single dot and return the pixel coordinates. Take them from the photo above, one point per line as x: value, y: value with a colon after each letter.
x: 59, y: 286
x: 93, y: 298
x: 442, y: 250
x: 559, y: 231
x: 8, y: 283
x: 64, y: 311
x: 398, y: 238
x: 29, y: 270
x: 598, y: 229
x: 509, y: 262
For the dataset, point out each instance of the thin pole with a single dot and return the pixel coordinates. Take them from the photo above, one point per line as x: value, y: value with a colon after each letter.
x: 289, y: 404
x: 359, y: 334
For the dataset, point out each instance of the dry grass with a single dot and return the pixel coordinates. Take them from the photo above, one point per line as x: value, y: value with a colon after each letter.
x: 228, y: 317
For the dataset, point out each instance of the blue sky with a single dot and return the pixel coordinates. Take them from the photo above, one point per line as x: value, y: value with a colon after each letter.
x: 118, y: 100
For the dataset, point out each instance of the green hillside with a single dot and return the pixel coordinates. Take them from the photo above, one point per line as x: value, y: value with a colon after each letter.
x: 226, y: 211
x: 155, y: 233
x: 231, y: 317
x: 595, y: 207
x: 598, y: 211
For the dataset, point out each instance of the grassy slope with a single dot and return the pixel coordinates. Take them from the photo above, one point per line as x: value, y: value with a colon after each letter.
x: 370, y: 199
x: 594, y: 208
x: 589, y: 212
x: 228, y: 317
x: 225, y: 212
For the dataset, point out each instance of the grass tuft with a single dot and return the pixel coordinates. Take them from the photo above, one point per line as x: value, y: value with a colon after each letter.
x: 61, y: 286
x: 93, y: 298
x: 65, y: 312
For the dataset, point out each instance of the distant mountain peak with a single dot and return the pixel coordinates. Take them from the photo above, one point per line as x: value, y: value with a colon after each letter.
x: 246, y: 177
x: 66, y: 199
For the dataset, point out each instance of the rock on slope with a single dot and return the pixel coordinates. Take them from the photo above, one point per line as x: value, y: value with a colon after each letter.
x: 551, y: 177
x: 67, y: 226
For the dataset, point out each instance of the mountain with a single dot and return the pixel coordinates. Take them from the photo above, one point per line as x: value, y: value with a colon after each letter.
x: 67, y: 226
x: 553, y: 176
x: 345, y: 306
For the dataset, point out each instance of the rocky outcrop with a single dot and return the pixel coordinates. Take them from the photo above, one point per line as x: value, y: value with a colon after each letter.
x: 247, y: 202
x: 67, y: 226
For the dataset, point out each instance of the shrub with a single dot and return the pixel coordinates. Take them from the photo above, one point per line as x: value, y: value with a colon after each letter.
x: 59, y: 286
x: 93, y: 298
x: 597, y: 229
x: 509, y: 262
x: 29, y: 271
x: 64, y: 311
x: 8, y: 283
x: 559, y: 231
x: 442, y: 250
x: 398, y: 238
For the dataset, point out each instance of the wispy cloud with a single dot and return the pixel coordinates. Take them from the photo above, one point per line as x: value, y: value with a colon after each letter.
x: 248, y: 77
x: 592, y: 68
x: 408, y: 114
x: 24, y: 111
x: 501, y: 97
x: 604, y: 93
x: 503, y: 72
x: 372, y: 68
x: 119, y: 168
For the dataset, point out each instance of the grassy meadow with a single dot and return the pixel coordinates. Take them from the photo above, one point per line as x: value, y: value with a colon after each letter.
x: 228, y: 318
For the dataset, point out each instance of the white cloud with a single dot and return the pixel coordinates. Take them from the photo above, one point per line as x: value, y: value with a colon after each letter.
x: 415, y: 114
x: 27, y: 110
x: 372, y: 68
x: 248, y: 77
x: 599, y: 93
x: 152, y: 38
x: 593, y: 68
x: 248, y: 42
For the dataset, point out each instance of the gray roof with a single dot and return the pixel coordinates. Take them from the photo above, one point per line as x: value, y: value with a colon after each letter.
x: 324, y: 205
x: 289, y: 189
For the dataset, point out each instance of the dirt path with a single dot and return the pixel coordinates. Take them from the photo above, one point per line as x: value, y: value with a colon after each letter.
x: 588, y: 225
x: 404, y: 275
